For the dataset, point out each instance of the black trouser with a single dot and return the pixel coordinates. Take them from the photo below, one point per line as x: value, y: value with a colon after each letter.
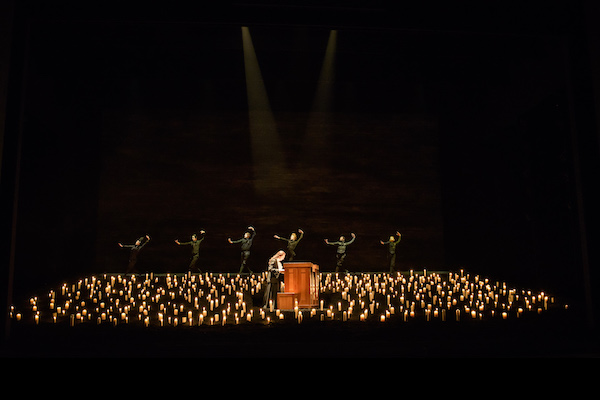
x: 392, y: 261
x: 132, y: 262
x: 271, y: 292
x: 244, y: 256
x: 291, y: 254
x: 340, y: 260
x: 193, y: 261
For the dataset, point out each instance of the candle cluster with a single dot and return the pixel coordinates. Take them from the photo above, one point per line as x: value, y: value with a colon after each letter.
x: 429, y: 296
x: 220, y: 299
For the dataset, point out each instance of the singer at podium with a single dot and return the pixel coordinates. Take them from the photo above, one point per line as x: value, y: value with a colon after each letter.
x: 274, y: 271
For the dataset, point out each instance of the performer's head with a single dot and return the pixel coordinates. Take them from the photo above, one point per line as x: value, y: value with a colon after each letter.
x: 392, y: 239
x: 194, y: 237
x: 139, y: 241
x: 293, y: 236
x: 247, y: 235
x: 342, y: 239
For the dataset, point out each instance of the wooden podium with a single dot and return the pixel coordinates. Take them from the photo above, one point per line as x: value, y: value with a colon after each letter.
x: 302, y: 284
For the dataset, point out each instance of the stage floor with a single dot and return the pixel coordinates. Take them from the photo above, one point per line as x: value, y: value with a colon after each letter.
x: 412, y: 314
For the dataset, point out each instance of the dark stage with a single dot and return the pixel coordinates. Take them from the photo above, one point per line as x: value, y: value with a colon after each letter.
x: 469, y: 129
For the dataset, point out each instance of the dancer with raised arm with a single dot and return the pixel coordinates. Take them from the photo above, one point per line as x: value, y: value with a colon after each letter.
x: 195, y: 243
x: 274, y: 271
x: 391, y: 255
x: 292, y: 242
x: 246, y: 242
x: 135, y: 250
x: 341, y: 249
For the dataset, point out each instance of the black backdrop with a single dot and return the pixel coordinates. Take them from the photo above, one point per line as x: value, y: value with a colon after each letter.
x: 458, y: 140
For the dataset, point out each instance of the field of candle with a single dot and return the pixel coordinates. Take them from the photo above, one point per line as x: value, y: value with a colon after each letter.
x: 208, y: 300
x: 410, y: 313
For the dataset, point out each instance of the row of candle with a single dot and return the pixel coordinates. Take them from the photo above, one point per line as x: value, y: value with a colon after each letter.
x: 219, y: 299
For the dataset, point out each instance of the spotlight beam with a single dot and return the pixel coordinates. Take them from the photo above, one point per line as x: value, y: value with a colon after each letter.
x: 269, y: 170
x: 317, y: 130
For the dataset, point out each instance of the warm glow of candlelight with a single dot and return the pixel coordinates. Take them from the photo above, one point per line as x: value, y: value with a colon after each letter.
x: 416, y: 296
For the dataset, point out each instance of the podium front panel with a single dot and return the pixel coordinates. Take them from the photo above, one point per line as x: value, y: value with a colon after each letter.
x: 302, y: 278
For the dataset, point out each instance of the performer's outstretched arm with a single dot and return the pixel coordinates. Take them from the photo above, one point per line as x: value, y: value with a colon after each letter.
x: 146, y: 242
x: 351, y: 240
x: 281, y: 238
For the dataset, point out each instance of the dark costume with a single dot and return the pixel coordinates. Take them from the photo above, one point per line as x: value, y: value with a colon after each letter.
x: 341, y: 252
x: 245, y: 249
x: 291, y: 245
x: 195, y: 251
x: 135, y: 249
x: 391, y: 255
x: 273, y: 282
